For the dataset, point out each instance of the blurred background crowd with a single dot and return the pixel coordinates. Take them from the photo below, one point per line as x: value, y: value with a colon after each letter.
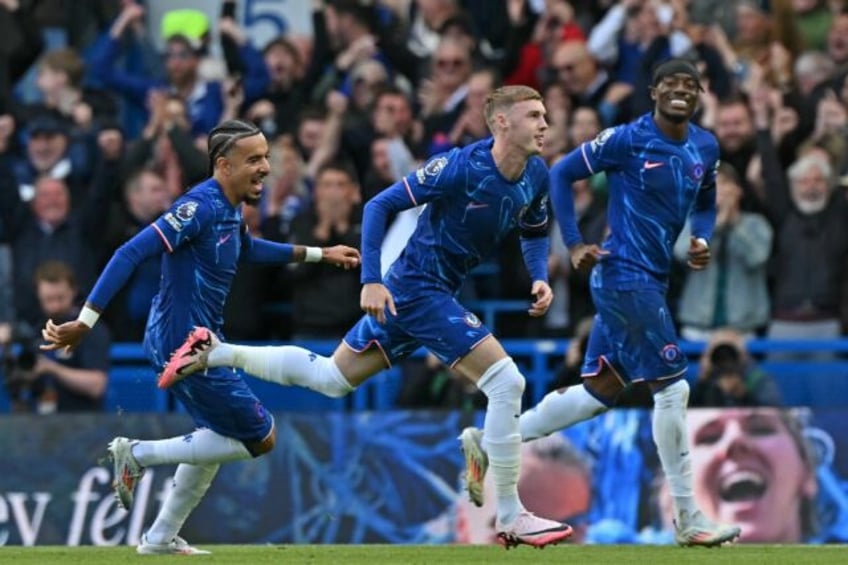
x: 104, y: 111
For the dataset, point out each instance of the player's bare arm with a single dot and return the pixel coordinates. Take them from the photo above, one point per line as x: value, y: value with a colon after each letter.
x: 543, y: 295
x: 375, y: 299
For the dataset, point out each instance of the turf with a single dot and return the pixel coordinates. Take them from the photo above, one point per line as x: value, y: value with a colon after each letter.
x: 440, y: 555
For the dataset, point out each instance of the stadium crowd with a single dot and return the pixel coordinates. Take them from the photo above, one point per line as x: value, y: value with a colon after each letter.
x: 100, y: 132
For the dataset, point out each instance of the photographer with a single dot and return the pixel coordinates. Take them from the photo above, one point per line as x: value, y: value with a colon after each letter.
x: 729, y: 377
x: 60, y: 381
x: 18, y: 361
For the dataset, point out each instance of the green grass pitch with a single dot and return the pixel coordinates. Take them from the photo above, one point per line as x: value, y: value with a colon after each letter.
x: 439, y: 555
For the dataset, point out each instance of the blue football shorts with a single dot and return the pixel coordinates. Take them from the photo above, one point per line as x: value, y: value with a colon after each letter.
x: 432, y: 320
x: 634, y: 334
x: 219, y: 399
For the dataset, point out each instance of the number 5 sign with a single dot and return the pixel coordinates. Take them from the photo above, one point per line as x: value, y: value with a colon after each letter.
x: 265, y: 20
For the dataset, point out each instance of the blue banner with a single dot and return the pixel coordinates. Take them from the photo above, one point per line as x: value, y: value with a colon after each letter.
x: 394, y: 477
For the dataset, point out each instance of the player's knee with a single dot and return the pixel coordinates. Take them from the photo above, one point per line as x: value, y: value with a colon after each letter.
x: 672, y: 395
x: 503, y: 379
x: 516, y: 381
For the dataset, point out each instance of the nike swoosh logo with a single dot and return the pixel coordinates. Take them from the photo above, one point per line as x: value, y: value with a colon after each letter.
x: 653, y: 164
x: 475, y: 205
x: 224, y: 239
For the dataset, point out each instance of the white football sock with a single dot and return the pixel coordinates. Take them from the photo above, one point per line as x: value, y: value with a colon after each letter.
x: 190, y: 484
x: 559, y: 410
x: 200, y: 447
x: 669, y: 429
x: 286, y: 365
x: 503, y: 385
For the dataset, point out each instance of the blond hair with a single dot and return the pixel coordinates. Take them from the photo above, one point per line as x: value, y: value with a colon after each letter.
x: 505, y: 97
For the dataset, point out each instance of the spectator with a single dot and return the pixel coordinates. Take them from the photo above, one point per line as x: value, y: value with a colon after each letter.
x: 287, y: 191
x: 533, y: 39
x: 392, y: 117
x: 62, y: 381
x: 589, y: 84
x: 52, y: 151
x: 203, y: 99
x: 428, y: 20
x: 350, y: 24
x: 326, y: 299
x: 286, y: 91
x: 734, y: 129
x: 367, y: 78
x: 247, y: 312
x: 461, y: 28
x: 166, y: 145
x: 442, y: 94
x: 622, y: 38
x: 812, y: 68
x: 381, y: 173
x: 60, y: 82
x: 585, y: 125
x: 837, y: 41
x: 471, y: 125
x: 558, y: 105
x: 728, y: 375
x: 145, y: 198
x: 310, y: 130
x: 807, y: 214
x: 47, y: 228
x: 732, y: 291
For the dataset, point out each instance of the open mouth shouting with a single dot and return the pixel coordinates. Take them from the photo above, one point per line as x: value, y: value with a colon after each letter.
x: 742, y: 486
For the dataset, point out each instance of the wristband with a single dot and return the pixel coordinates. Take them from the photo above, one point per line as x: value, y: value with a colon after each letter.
x: 313, y: 255
x: 88, y: 316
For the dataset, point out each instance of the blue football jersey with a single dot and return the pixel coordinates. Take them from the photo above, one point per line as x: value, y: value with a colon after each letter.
x: 655, y: 183
x: 202, y: 233
x: 470, y: 209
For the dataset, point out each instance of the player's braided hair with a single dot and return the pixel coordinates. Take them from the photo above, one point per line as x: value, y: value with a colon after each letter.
x: 223, y: 136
